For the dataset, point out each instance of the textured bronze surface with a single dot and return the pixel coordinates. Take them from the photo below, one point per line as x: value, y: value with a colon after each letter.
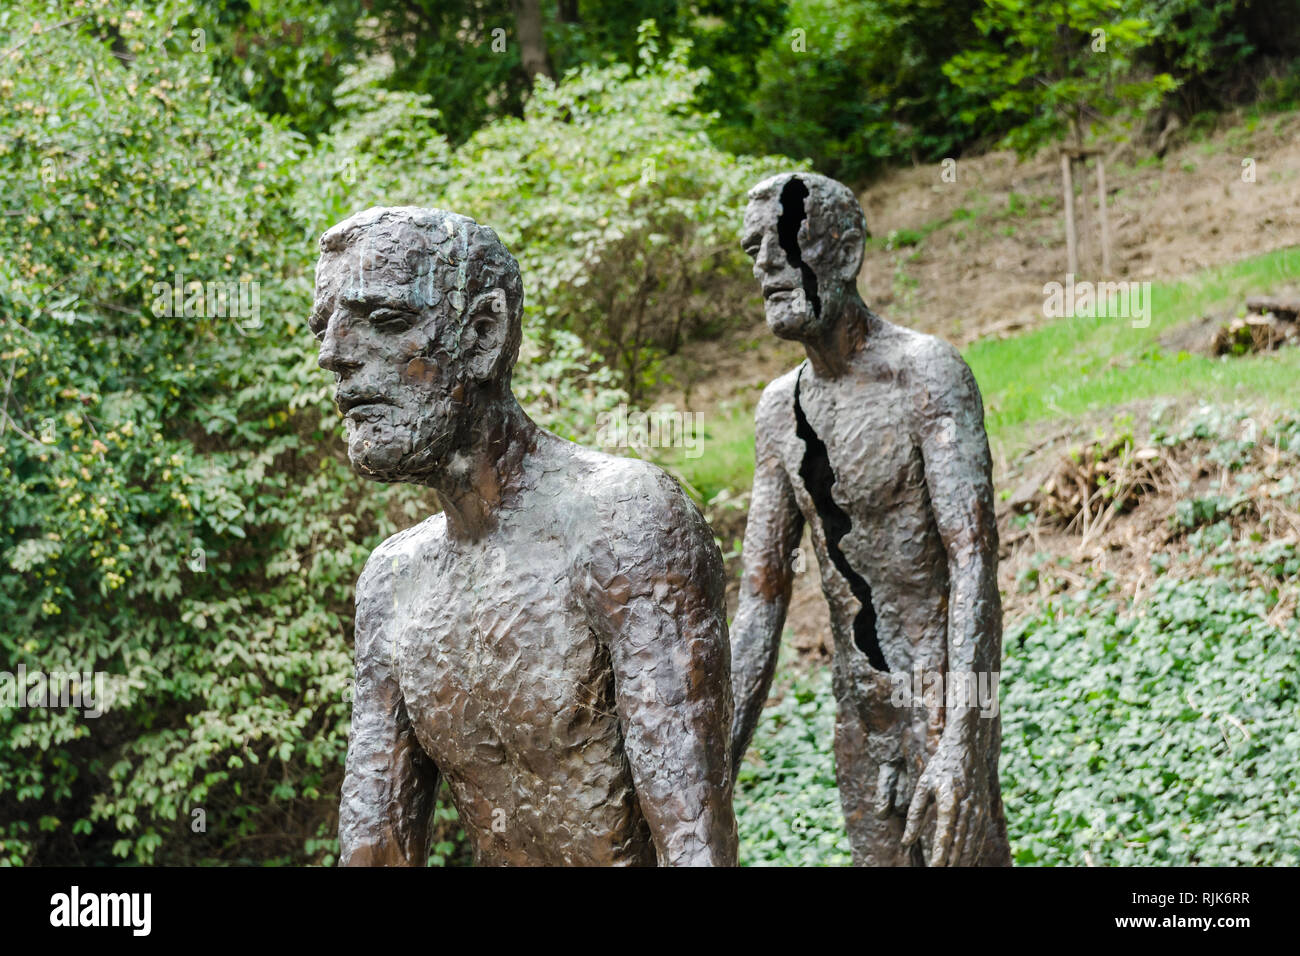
x: 877, y: 441
x: 554, y: 643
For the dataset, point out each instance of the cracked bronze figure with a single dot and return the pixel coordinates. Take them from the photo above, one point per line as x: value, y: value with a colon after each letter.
x: 877, y: 441
x: 553, y: 644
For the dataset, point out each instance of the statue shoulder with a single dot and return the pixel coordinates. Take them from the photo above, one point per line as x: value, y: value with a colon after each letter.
x: 646, y: 529
x: 780, y: 391
x: 626, y: 486
x: 397, y: 551
x: 930, y: 358
x: 943, y: 389
x: 634, y: 500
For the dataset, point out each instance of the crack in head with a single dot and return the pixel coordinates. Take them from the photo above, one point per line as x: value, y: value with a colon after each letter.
x: 792, y: 216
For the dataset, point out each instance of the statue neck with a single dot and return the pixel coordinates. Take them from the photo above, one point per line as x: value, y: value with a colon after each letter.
x: 478, y: 480
x: 831, y: 354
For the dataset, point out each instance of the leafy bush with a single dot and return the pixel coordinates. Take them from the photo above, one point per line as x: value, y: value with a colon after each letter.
x: 285, y: 58
x: 171, y: 512
x: 860, y: 85
x: 1220, y: 51
x: 1063, y: 73
x: 176, y: 508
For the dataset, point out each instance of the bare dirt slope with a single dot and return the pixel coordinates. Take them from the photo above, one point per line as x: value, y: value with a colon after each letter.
x: 1168, y: 218
x: 992, y: 239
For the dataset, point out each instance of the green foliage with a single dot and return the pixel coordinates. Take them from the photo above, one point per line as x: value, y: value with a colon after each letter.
x: 1057, y: 70
x: 726, y: 36
x: 444, y: 49
x: 787, y: 803
x: 856, y: 85
x: 1222, y: 52
x: 286, y: 57
x: 166, y: 513
x: 1195, y: 38
x: 1163, y: 735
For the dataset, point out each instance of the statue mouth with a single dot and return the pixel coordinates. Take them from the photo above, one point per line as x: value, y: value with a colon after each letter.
x: 360, y: 404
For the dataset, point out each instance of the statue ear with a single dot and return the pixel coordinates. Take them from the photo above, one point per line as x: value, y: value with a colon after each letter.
x: 851, y: 251
x: 487, y: 325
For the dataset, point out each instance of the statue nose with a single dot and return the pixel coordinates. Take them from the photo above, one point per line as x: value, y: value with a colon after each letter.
x: 767, y: 258
x: 333, y: 356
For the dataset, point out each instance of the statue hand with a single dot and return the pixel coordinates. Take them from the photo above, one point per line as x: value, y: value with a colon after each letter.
x: 953, y: 780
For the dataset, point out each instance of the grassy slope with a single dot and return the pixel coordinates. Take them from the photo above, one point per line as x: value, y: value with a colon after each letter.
x: 1072, y: 366
x: 1079, y: 365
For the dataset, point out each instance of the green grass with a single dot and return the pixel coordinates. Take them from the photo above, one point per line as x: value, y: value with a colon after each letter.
x: 1071, y: 367
x: 1074, y: 366
x: 727, y: 462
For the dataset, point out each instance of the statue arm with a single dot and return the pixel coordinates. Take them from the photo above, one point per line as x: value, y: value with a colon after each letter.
x: 662, y: 611
x: 772, y: 534
x: 390, y: 784
x: 958, y: 474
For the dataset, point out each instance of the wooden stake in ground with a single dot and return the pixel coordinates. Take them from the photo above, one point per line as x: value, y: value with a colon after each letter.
x: 1071, y: 249
x: 1086, y: 256
x: 1102, y: 217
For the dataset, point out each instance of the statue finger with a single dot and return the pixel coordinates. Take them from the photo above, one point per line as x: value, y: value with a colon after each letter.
x: 886, y: 788
x: 945, y: 823
x: 916, y: 812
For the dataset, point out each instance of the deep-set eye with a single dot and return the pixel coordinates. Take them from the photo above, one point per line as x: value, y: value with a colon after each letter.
x: 392, y: 320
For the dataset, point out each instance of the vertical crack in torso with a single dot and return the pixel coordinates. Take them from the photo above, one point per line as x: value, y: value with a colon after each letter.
x: 818, y: 477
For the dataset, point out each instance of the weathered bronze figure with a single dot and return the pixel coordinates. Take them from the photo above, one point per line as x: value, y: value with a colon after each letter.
x: 553, y: 644
x: 878, y: 442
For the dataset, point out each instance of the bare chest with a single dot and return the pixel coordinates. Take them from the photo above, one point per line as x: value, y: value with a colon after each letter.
x: 856, y: 445
x: 499, y: 669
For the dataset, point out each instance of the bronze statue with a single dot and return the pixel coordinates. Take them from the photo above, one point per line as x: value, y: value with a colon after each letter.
x: 877, y: 441
x: 553, y: 644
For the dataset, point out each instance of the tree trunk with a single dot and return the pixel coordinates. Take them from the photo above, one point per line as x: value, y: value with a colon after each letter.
x: 532, y: 40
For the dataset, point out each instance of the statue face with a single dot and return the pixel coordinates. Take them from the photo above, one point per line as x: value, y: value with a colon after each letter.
x: 806, y: 263
x: 383, y: 313
x: 785, y: 303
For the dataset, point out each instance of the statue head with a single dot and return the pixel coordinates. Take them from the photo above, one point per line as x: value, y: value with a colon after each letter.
x: 805, y: 234
x: 417, y: 313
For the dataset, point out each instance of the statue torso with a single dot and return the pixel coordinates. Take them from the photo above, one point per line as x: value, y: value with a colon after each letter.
x: 511, y: 693
x: 874, y: 499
